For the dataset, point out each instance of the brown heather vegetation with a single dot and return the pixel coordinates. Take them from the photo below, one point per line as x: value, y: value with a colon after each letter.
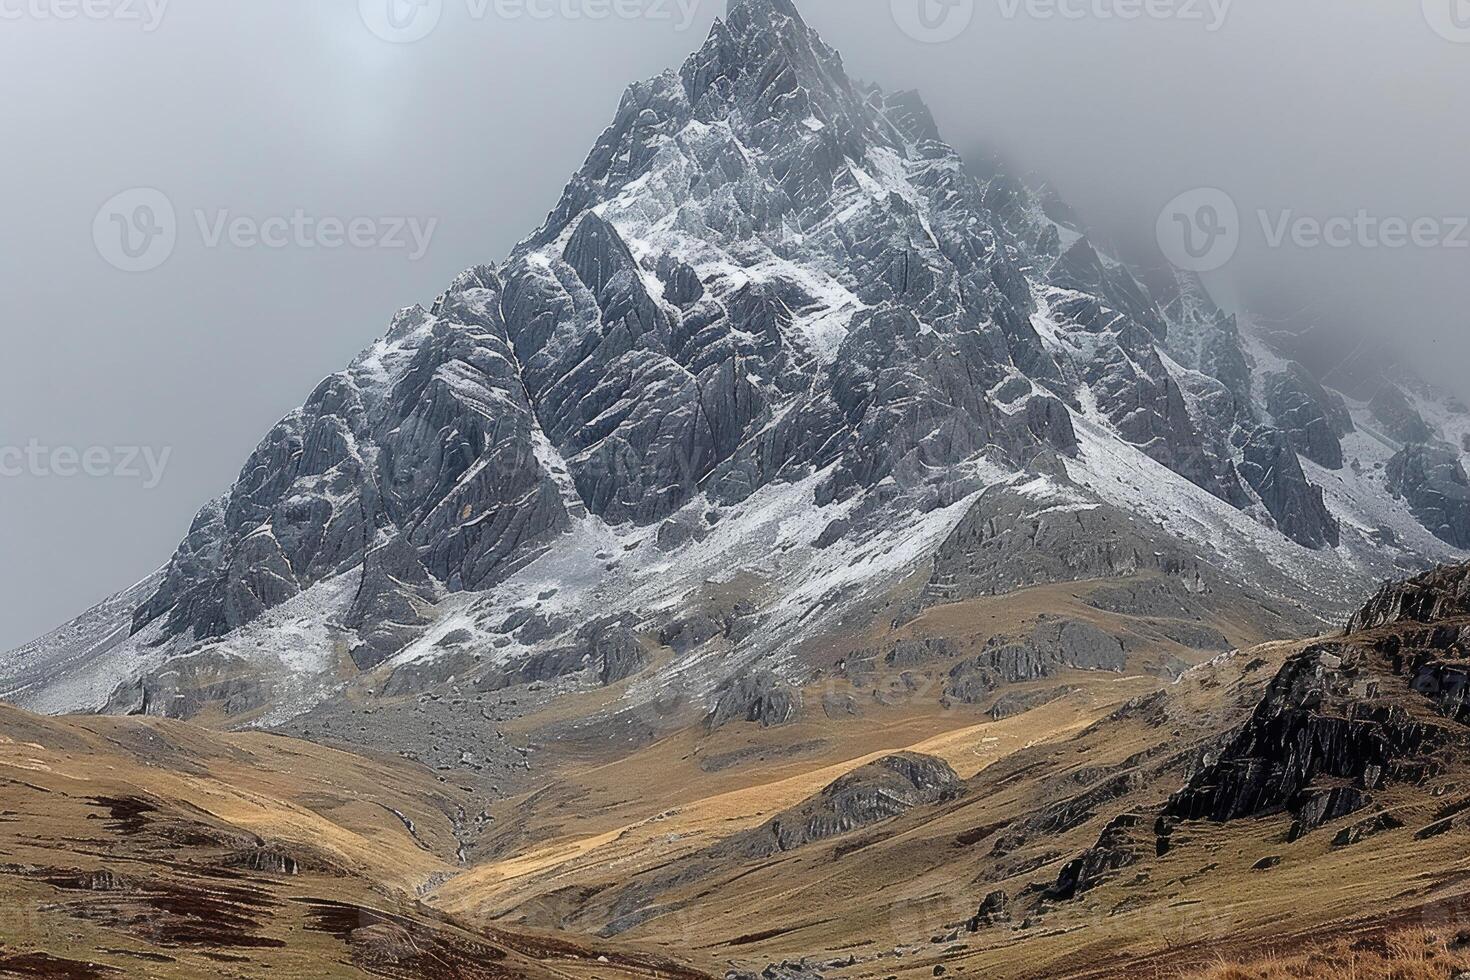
x: 1413, y: 954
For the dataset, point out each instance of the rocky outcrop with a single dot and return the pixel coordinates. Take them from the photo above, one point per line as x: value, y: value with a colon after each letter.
x: 1442, y: 593
x: 1336, y: 726
x: 190, y: 685
x: 1143, y: 399
x: 423, y: 458
x: 1431, y: 478
x: 1078, y: 644
x: 916, y: 652
x: 1006, y: 543
x: 1364, y: 829
x: 1341, y: 724
x: 876, y: 792
x: 996, y: 909
x: 1401, y: 421
x: 421, y: 675
x: 1222, y: 357
x: 1314, y: 420
x: 393, y: 603
x: 1195, y: 636
x: 691, y: 631
x: 265, y: 860
x: 761, y: 698
x: 617, y: 652
x: 1053, y: 646
x: 1082, y: 269
x: 608, y: 650
x: 1296, y: 504
x: 1126, y: 840
x: 1014, y: 703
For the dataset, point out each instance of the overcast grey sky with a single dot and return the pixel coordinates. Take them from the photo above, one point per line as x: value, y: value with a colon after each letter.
x: 273, y: 107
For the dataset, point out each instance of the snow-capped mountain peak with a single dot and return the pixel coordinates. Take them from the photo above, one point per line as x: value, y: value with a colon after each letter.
x: 773, y: 333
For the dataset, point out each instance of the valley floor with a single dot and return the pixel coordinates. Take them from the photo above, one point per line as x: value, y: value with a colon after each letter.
x: 857, y: 842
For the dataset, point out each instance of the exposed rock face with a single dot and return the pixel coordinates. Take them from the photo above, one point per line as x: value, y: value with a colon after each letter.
x: 1433, y: 481
x: 1363, y: 829
x: 1078, y: 644
x: 1399, y: 418
x: 1272, y: 469
x: 1123, y: 842
x: 1443, y: 593
x: 421, y: 675
x: 272, y: 861
x: 1308, y: 728
x: 1339, y: 724
x: 585, y: 375
x: 188, y: 686
x: 1148, y: 597
x: 428, y: 442
x: 761, y: 698
x: 1207, y: 339
x: 1222, y: 357
x: 1014, y: 703
x: 912, y: 653
x: 881, y: 393
x: 1342, y: 723
x: 1081, y: 269
x: 608, y: 649
x: 1193, y: 635
x: 617, y: 653
x: 1003, y: 544
x: 876, y: 792
x: 1143, y: 400
x: 1053, y: 646
x: 392, y: 603
x: 691, y: 631
x: 1314, y: 420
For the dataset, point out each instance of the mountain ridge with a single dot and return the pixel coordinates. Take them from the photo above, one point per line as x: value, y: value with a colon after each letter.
x: 767, y: 287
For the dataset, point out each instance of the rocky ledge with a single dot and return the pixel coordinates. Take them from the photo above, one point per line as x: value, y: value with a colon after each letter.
x: 1345, y: 721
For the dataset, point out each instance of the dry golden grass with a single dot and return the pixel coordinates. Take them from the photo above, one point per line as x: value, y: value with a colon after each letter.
x: 1414, y: 954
